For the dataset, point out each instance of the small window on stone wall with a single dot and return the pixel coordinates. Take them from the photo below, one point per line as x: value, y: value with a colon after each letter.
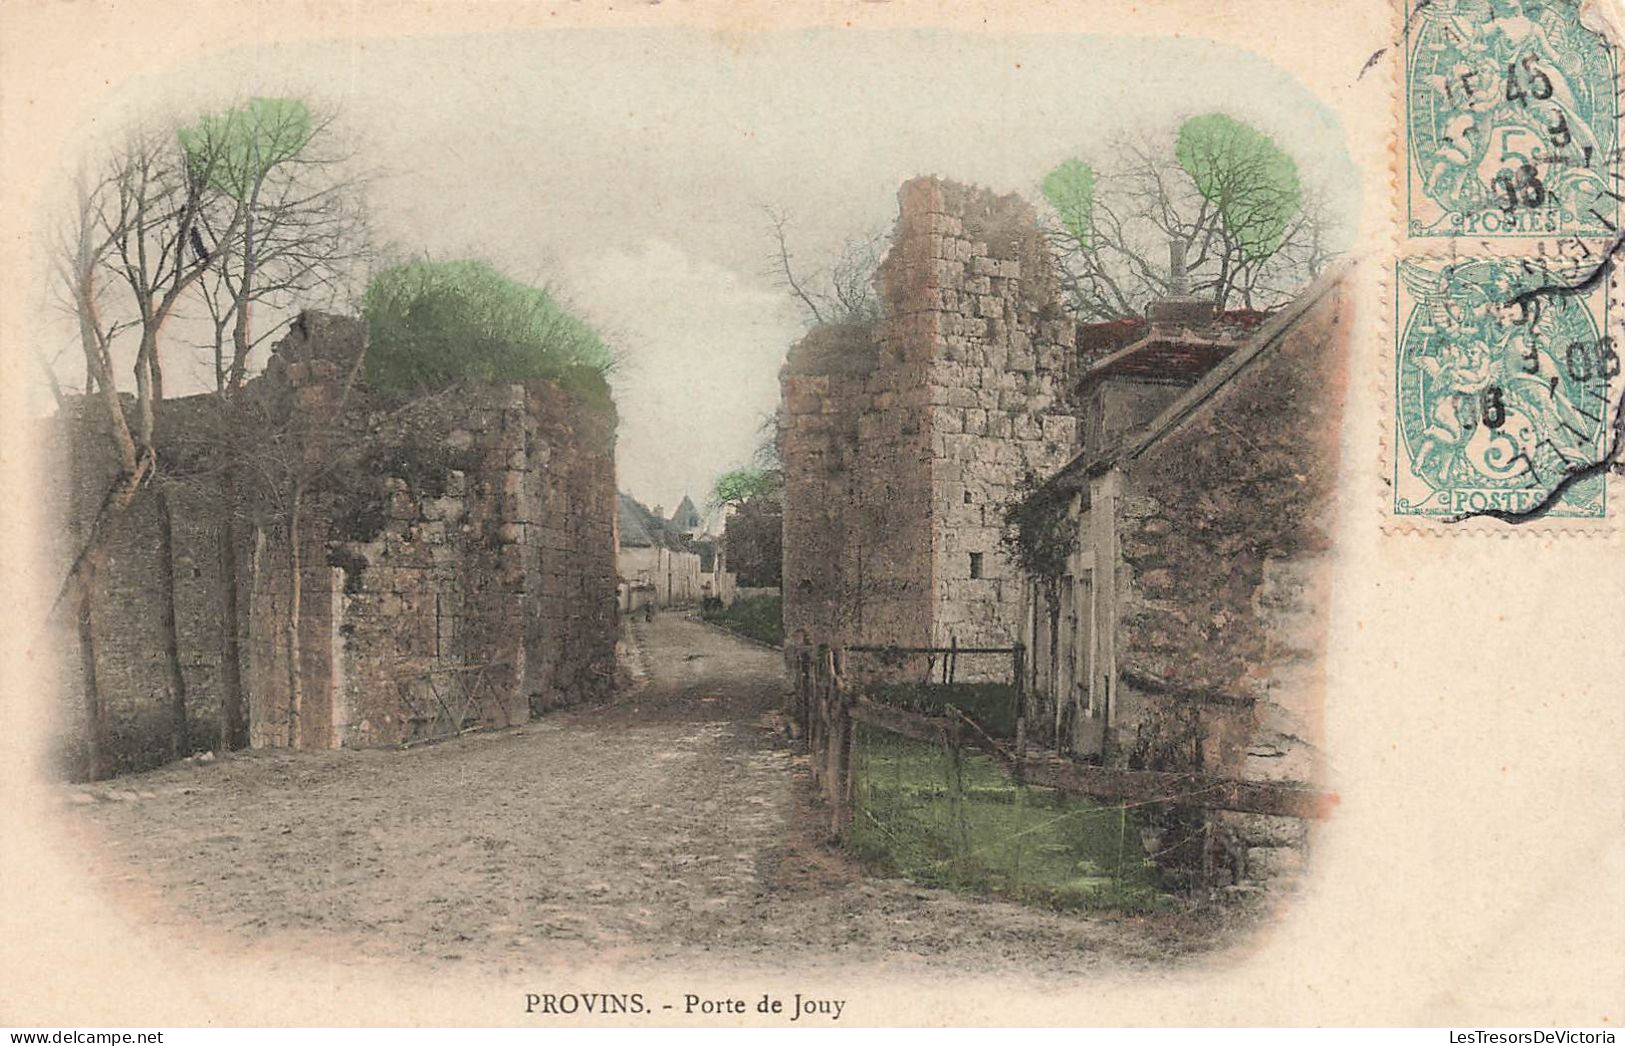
x: 975, y: 564
x: 967, y: 497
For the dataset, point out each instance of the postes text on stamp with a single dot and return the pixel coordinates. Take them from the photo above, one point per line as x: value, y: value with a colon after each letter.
x: 1504, y: 390
x: 1511, y: 121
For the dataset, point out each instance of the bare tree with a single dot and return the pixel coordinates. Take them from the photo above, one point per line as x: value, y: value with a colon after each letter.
x: 152, y: 216
x: 130, y: 227
x: 301, y: 238
x: 247, y: 207
x: 840, y: 291
x: 282, y: 446
x: 1227, y: 200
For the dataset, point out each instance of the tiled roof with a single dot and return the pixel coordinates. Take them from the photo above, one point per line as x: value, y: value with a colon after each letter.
x: 639, y: 527
x: 1236, y: 354
x: 1135, y: 348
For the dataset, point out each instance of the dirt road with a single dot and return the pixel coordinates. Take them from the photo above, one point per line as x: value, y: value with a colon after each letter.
x: 651, y: 831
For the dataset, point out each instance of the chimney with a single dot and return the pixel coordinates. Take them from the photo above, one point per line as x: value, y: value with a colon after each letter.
x: 1179, y: 309
x: 1179, y: 285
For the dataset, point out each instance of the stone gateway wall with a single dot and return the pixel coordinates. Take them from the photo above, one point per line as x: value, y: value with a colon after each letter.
x: 902, y: 440
x: 753, y: 543
x: 456, y: 558
x: 80, y: 464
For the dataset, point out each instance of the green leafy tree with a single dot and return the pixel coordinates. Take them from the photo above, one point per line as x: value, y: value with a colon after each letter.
x: 759, y: 480
x: 1070, y: 189
x: 1250, y: 182
x: 433, y: 324
x: 737, y: 486
x: 1218, y: 192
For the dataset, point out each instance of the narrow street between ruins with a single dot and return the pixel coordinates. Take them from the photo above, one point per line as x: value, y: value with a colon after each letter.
x: 642, y: 833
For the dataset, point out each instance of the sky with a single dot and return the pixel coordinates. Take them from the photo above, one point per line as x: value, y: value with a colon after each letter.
x: 628, y: 170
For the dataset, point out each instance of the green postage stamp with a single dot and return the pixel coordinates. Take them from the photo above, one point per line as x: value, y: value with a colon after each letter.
x: 1503, y: 391
x: 1506, y: 370
x: 1511, y: 112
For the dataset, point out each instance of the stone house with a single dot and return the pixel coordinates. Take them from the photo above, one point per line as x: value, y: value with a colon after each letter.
x: 685, y: 519
x: 753, y: 542
x: 1188, y: 630
x: 904, y: 440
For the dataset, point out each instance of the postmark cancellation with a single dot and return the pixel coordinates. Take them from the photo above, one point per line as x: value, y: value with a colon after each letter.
x: 1505, y: 375
x: 1511, y: 118
x: 1504, y: 391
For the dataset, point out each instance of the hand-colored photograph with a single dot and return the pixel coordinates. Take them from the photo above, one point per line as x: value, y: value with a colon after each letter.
x: 568, y: 505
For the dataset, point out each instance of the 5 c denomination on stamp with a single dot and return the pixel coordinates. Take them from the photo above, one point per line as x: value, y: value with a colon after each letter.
x: 1511, y: 116
x: 1504, y: 401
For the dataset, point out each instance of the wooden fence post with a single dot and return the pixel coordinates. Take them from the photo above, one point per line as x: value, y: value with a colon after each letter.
x: 817, y: 715
x: 831, y: 731
x: 1018, y: 658
x: 841, y: 772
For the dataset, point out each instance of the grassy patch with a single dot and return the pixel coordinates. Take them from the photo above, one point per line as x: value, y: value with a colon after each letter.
x: 992, y: 705
x: 970, y: 828
x: 760, y: 618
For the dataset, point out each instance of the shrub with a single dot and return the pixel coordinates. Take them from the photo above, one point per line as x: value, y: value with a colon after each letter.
x: 760, y: 618
x: 434, y: 324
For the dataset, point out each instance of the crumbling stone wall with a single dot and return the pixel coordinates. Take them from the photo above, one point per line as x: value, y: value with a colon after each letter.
x: 903, y: 440
x: 79, y: 464
x: 1225, y: 532
x: 984, y: 296
x: 825, y: 393
x: 457, y: 552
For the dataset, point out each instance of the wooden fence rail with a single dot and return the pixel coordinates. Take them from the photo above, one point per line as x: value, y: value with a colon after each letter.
x: 829, y: 709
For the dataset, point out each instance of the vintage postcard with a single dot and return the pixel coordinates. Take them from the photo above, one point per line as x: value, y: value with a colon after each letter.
x: 813, y: 514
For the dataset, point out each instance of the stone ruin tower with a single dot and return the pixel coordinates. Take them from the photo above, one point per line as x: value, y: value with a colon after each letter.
x: 903, y: 440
